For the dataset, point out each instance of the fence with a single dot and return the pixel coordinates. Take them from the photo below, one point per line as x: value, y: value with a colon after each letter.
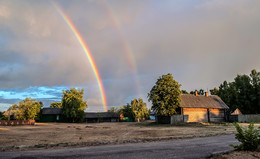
x: 171, y: 119
x: 245, y: 118
x: 16, y: 122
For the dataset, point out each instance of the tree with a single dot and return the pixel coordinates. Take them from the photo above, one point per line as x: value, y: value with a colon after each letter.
x: 214, y: 91
x: 56, y: 105
x: 139, y: 108
x: 27, y: 109
x: 1, y: 115
x: 127, y: 111
x: 73, y: 105
x: 201, y: 92
x: 165, y: 96
x: 242, y: 93
x: 184, y: 92
x: 113, y: 110
x: 255, y: 96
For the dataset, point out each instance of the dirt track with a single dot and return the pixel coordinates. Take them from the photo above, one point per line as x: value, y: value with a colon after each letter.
x: 54, y: 133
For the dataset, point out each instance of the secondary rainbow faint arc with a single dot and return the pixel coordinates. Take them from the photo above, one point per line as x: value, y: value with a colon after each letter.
x: 86, y: 51
x: 127, y: 48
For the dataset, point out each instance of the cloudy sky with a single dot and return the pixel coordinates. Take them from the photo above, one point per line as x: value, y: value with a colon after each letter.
x: 133, y: 42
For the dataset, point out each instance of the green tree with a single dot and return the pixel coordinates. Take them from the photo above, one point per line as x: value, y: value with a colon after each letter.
x: 1, y: 115
x: 113, y: 110
x: 242, y: 93
x: 139, y: 108
x: 127, y: 111
x: 214, y: 91
x: 165, y: 96
x: 73, y: 105
x: 192, y: 92
x: 249, y: 138
x: 56, y: 105
x: 201, y: 92
x: 255, y: 96
x: 27, y: 109
x: 184, y: 92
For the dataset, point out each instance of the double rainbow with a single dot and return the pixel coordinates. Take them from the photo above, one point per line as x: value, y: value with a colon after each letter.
x: 127, y: 49
x: 86, y: 51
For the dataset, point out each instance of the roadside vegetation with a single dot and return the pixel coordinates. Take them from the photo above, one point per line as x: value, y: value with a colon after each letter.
x: 249, y: 138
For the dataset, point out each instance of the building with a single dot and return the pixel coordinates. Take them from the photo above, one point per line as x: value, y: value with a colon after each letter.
x: 203, y: 108
x: 236, y: 112
x: 54, y: 115
x: 50, y: 115
x: 94, y: 117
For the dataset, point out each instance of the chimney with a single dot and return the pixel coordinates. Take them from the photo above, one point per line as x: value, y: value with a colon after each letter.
x: 196, y: 93
x: 206, y: 94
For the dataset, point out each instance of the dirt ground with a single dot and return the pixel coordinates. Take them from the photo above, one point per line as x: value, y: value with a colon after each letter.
x: 239, y: 155
x: 55, y: 133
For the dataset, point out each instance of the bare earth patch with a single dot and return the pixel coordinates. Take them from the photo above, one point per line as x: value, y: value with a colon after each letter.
x: 68, y: 134
x: 239, y: 155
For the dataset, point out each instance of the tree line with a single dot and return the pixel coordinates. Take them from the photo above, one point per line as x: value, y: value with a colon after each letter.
x: 165, y: 95
x: 72, y: 107
x: 242, y: 93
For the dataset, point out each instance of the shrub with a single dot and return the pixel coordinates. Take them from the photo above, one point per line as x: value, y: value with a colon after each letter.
x: 249, y: 138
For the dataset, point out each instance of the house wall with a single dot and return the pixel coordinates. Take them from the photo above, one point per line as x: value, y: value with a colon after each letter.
x: 217, y: 115
x: 196, y: 114
x: 201, y: 114
x: 49, y: 118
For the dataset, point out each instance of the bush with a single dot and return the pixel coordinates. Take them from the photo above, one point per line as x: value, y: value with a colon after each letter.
x: 249, y: 138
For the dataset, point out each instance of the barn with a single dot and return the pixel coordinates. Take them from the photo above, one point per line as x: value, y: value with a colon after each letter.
x: 50, y: 115
x: 203, y: 108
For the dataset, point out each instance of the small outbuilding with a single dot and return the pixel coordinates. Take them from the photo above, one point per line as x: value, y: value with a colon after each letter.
x: 236, y: 112
x: 50, y: 115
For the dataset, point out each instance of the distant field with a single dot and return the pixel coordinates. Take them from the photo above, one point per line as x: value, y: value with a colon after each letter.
x: 53, y: 133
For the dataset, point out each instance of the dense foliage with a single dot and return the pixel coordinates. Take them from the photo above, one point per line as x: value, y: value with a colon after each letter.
x: 27, y: 109
x: 242, y: 93
x: 165, y: 96
x: 73, y: 105
x: 200, y: 92
x: 184, y: 92
x: 2, y: 115
x: 249, y: 138
x: 113, y: 110
x: 56, y: 105
x: 139, y: 109
x: 127, y: 111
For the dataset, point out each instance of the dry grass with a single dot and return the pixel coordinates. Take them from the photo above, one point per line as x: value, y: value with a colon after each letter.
x: 53, y: 133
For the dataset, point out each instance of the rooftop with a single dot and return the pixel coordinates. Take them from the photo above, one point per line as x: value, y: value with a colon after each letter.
x: 202, y: 101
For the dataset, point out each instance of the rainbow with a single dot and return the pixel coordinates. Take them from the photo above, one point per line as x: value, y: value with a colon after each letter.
x: 127, y: 49
x: 86, y: 51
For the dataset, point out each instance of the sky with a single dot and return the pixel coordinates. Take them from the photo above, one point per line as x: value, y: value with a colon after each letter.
x: 133, y: 42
